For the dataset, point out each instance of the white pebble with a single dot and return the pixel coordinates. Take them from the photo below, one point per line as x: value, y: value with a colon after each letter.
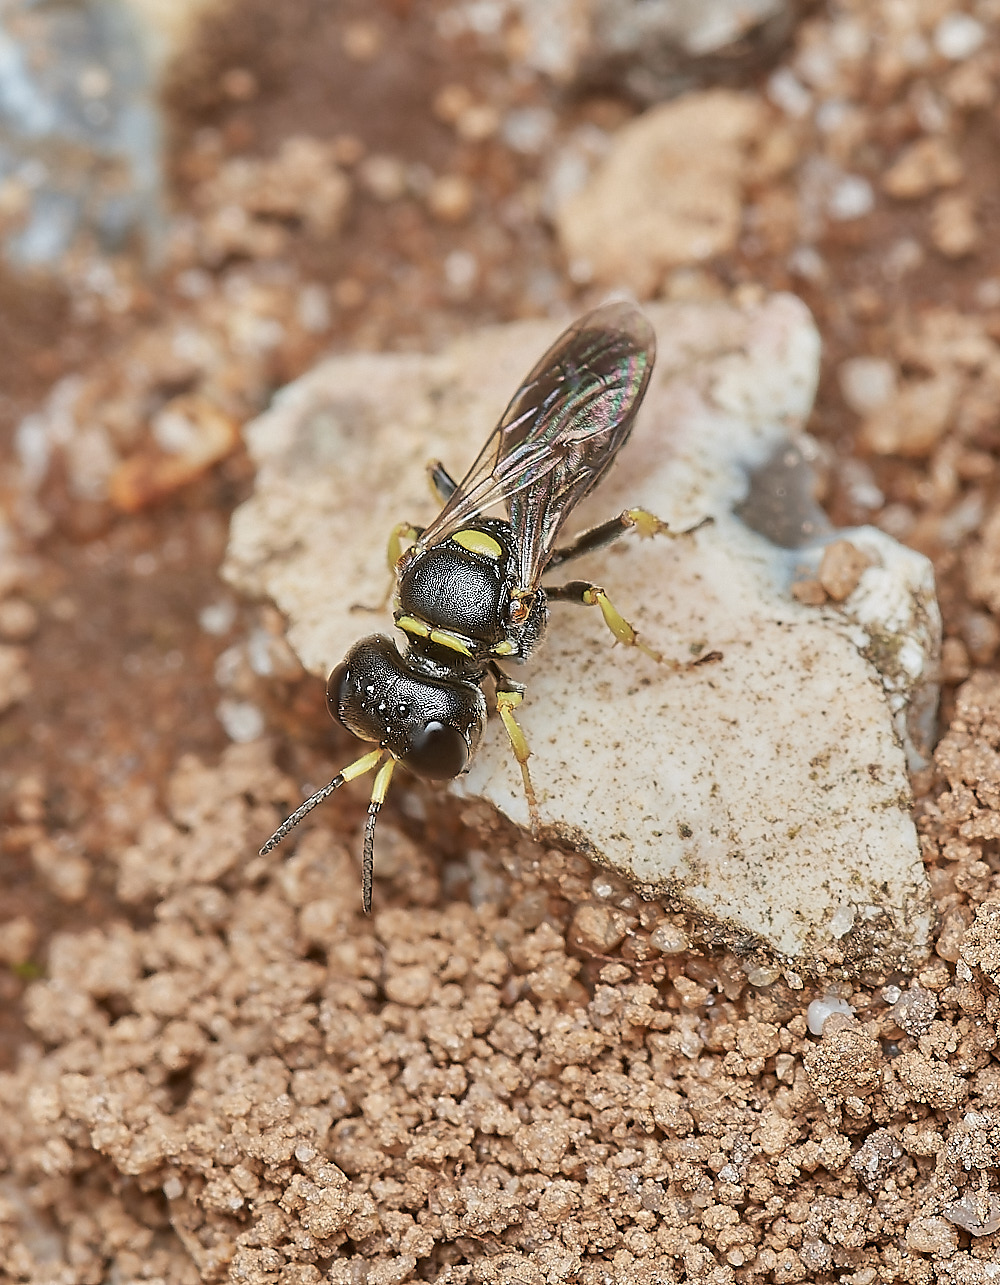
x: 842, y: 921
x: 789, y: 94
x: 958, y: 35
x: 807, y: 262
x: 668, y: 939
x: 218, y: 617
x: 821, y: 1009
x: 852, y: 197
x: 528, y: 129
x: 866, y: 382
x: 242, y: 721
x: 312, y: 308
x: 461, y: 269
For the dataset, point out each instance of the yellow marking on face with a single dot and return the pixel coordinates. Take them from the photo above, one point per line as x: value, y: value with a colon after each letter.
x: 505, y: 648
x: 479, y: 542
x: 443, y: 637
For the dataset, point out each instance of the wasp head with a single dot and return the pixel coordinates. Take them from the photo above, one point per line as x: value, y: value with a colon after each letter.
x: 431, y: 725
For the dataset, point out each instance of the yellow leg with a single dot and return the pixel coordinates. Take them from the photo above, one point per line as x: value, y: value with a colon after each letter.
x: 640, y: 520
x: 507, y: 702
x: 592, y: 595
x: 402, y: 533
x: 623, y: 630
x: 648, y: 524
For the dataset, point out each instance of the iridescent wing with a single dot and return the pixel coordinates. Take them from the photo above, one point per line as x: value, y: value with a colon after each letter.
x: 562, y: 429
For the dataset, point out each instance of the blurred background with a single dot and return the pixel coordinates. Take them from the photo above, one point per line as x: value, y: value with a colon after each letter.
x: 199, y: 199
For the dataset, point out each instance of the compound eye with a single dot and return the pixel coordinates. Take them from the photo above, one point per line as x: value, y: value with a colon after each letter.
x: 337, y: 692
x: 437, y: 752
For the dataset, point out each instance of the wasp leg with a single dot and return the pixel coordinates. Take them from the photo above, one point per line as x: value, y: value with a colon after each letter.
x: 402, y: 533
x: 647, y: 524
x: 592, y: 595
x: 442, y: 483
x: 509, y: 695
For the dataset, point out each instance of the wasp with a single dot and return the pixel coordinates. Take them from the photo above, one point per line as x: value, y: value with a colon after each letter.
x: 468, y: 593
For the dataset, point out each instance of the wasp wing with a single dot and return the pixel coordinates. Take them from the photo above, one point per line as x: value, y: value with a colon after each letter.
x: 562, y: 429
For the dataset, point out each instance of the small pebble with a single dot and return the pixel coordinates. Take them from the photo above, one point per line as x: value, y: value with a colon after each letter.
x: 866, y: 383
x: 18, y: 620
x: 349, y: 293
x: 761, y: 975
x: 954, y: 230
x: 15, y: 681
x: 979, y: 1217
x: 958, y: 35
x: 843, y: 921
x: 915, y: 1010
x: 313, y: 308
x: 852, y: 198
x: 450, y: 198
x: 242, y: 720
x: 820, y: 1010
x: 789, y: 94
x: 17, y: 940
x: 461, y: 269
x: 528, y: 129
x: 669, y: 939
x: 841, y: 568
x: 361, y: 41
x: 384, y: 177
x: 239, y: 84
x: 598, y: 929
x: 66, y: 871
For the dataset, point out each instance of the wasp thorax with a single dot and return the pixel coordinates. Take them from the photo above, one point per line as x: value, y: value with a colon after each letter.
x: 450, y: 587
x: 432, y: 726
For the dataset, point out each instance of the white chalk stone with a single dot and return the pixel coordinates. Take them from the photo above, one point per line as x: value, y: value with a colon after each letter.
x: 766, y: 794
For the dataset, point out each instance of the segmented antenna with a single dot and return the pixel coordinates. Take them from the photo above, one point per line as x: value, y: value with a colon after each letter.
x: 379, y: 790
x: 358, y: 768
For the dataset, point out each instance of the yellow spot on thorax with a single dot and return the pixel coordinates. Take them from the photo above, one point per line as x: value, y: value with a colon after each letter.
x: 479, y: 542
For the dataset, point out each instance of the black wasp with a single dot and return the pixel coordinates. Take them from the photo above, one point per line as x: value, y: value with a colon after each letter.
x: 468, y: 587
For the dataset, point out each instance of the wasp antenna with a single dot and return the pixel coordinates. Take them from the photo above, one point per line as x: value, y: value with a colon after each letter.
x: 379, y: 791
x: 358, y: 768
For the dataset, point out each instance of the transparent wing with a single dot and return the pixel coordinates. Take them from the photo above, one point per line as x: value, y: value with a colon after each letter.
x: 560, y: 432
